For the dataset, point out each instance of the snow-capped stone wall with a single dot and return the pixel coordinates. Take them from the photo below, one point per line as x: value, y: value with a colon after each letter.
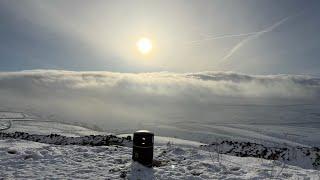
x: 307, y: 157
x: 92, y: 140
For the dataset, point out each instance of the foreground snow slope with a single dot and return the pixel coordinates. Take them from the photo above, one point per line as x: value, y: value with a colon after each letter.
x: 180, y: 159
x: 23, y: 159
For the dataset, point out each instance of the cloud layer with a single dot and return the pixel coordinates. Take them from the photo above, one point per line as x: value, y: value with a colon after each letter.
x: 110, y: 100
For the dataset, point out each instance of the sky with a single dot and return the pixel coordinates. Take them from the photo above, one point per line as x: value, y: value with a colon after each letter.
x: 247, y: 36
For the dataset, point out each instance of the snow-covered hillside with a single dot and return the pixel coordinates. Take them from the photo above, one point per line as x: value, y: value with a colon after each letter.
x: 28, y: 160
x: 68, y: 151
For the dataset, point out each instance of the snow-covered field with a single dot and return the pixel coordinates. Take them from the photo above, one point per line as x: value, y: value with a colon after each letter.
x: 180, y: 159
x: 293, y: 125
x: 31, y: 160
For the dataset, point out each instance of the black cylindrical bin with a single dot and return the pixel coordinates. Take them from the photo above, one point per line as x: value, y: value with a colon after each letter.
x: 143, y: 147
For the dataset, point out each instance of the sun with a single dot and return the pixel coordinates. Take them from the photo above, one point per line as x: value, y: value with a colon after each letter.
x: 144, y: 45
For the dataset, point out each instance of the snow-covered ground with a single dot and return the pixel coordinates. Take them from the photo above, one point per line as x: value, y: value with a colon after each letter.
x: 28, y: 160
x: 179, y: 159
x: 290, y: 124
x: 38, y: 127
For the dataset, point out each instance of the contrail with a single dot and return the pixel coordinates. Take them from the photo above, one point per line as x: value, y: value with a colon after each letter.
x: 249, y: 36
x: 268, y: 29
x: 254, y: 36
x: 223, y: 37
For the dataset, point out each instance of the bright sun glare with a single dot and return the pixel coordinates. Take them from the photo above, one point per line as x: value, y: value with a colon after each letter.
x: 144, y: 45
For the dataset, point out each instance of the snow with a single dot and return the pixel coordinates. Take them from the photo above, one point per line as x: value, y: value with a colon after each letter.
x: 160, y: 140
x: 177, y: 158
x: 304, y: 157
x: 38, y: 127
x: 11, y: 115
x: 27, y: 160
